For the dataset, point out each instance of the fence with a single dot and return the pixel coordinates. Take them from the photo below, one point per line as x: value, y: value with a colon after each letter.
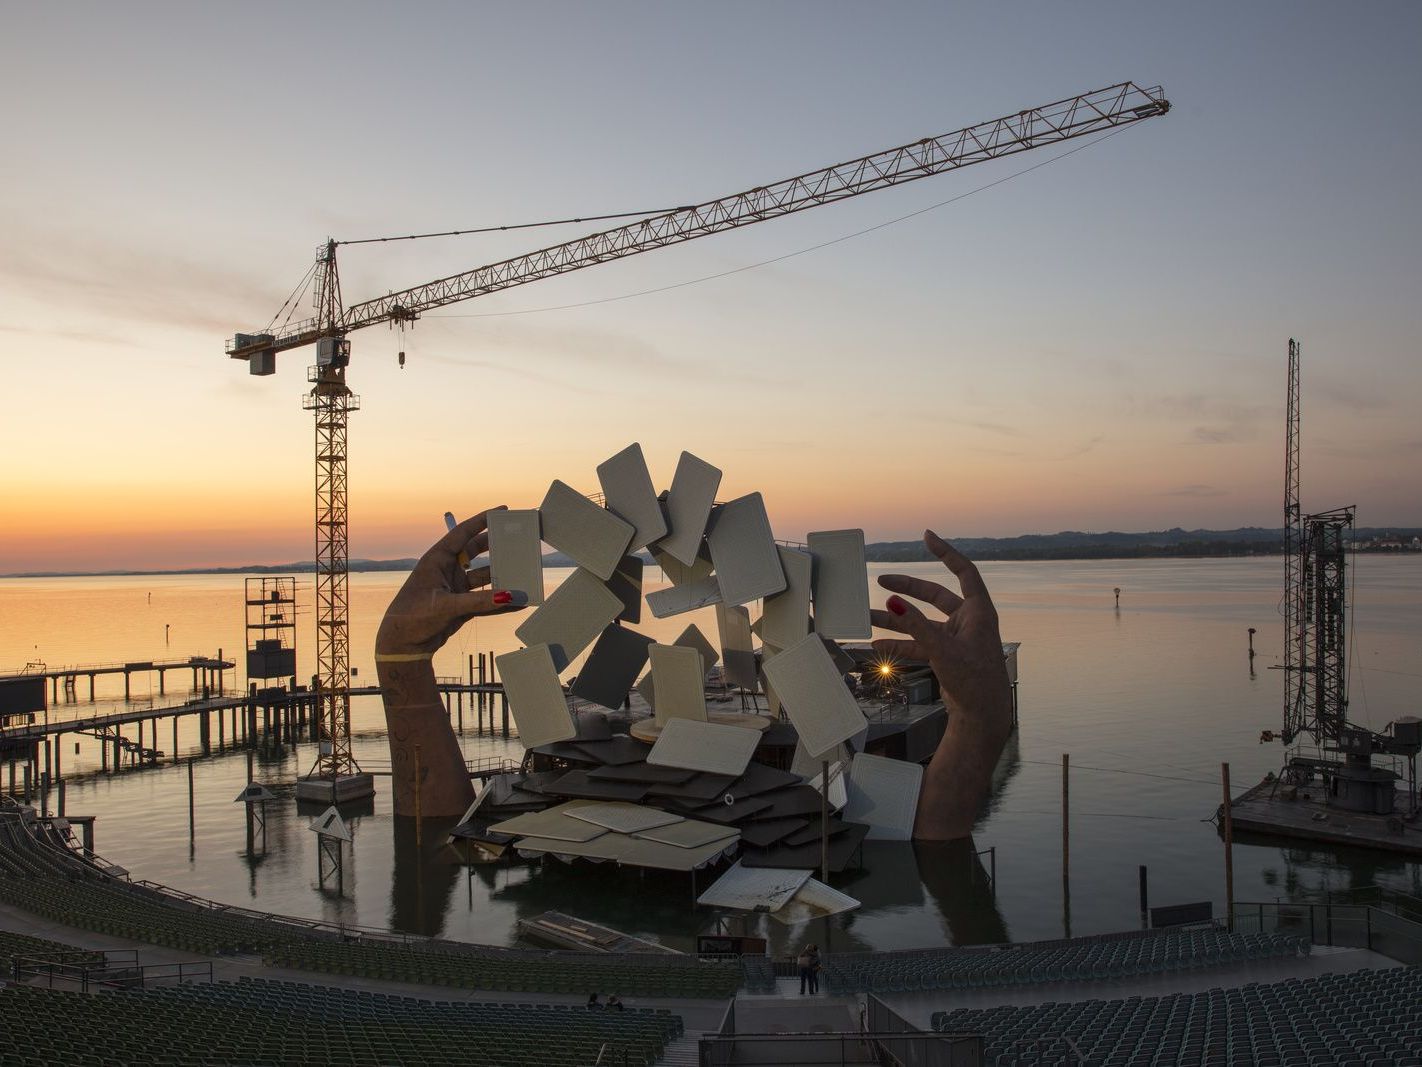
x: 714, y: 1052
x: 1395, y: 901
x: 893, y: 1035
x: 119, y: 969
x: 1376, y: 927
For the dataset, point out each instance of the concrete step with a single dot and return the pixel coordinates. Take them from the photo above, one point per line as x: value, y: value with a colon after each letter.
x: 683, y: 1052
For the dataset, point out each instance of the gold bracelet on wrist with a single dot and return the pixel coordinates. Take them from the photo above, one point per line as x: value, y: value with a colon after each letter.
x: 402, y: 657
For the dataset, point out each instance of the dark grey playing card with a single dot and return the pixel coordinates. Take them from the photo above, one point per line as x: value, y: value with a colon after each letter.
x: 612, y: 668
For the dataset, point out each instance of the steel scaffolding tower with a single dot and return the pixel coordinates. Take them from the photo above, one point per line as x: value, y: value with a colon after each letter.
x: 332, y: 401
x: 1322, y: 672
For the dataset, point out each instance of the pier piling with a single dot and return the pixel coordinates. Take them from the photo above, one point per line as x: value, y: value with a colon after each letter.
x: 1145, y: 899
x: 1066, y: 844
x: 1228, y: 849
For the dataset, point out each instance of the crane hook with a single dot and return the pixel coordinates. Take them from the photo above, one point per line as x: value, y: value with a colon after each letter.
x: 402, y: 359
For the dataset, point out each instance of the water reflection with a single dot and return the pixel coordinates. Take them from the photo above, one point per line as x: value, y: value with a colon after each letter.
x: 1314, y: 872
x: 1146, y: 708
x: 424, y: 875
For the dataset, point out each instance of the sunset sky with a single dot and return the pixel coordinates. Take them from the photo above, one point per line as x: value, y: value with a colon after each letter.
x: 1096, y: 344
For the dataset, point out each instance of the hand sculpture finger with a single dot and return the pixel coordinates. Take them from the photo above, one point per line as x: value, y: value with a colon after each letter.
x: 895, y: 650
x: 945, y: 600
x: 463, y: 538
x: 477, y: 577
x: 486, y: 602
x: 904, y: 618
x: 967, y: 573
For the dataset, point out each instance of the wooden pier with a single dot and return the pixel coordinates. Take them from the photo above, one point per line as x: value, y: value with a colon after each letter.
x: 209, y: 675
x: 132, y: 733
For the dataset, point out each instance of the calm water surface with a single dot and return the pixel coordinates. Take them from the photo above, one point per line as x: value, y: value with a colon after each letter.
x: 1148, y: 701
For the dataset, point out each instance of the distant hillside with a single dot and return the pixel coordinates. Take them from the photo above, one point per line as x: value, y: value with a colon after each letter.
x: 1075, y: 544
x: 1068, y: 544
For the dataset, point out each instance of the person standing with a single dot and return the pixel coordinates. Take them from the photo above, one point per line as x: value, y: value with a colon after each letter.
x: 808, y: 962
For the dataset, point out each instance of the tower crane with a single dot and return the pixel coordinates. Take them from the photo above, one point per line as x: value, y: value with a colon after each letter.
x: 1315, y: 654
x: 332, y: 401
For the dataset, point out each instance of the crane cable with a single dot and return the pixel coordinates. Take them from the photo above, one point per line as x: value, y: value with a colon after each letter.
x: 290, y: 301
x: 788, y: 255
x: 649, y: 213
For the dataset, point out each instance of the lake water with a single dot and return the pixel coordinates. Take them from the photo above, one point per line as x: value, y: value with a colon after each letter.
x: 1148, y: 701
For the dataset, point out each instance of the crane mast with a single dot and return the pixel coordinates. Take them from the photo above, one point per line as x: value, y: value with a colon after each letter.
x: 331, y: 400
x: 1294, y: 687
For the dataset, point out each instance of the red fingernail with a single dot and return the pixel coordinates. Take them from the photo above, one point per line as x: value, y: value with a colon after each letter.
x: 897, y: 606
x: 503, y: 596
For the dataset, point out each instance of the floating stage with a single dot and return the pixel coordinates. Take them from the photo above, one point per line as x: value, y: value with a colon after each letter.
x: 1279, y: 810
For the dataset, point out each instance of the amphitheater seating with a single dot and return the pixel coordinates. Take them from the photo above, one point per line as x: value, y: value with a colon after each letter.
x: 1117, y: 956
x: 56, y: 884
x: 16, y: 945
x: 262, y: 1022
x: 1363, y: 1017
x: 525, y: 972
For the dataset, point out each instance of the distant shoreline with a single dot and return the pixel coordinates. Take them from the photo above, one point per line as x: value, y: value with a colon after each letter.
x: 1067, y: 545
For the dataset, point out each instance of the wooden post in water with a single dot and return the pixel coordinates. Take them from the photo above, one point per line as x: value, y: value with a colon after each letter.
x: 175, y: 739
x: 1066, y: 844
x: 1228, y: 850
x: 192, y: 815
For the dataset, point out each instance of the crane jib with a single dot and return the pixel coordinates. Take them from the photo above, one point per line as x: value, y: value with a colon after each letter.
x: 1114, y: 106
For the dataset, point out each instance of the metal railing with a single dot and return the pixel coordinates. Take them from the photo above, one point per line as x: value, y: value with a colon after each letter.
x: 1393, y: 900
x: 842, y: 1050
x: 1373, y: 927
x: 117, y: 969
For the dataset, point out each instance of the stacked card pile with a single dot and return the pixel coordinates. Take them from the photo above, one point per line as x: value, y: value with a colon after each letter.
x: 721, y: 555
x: 693, y: 796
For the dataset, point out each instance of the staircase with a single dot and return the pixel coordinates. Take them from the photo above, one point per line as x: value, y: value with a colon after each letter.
x: 683, y: 1052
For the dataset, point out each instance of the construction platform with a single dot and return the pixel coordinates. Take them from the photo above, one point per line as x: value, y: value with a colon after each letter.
x: 341, y: 790
x: 1277, y: 810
